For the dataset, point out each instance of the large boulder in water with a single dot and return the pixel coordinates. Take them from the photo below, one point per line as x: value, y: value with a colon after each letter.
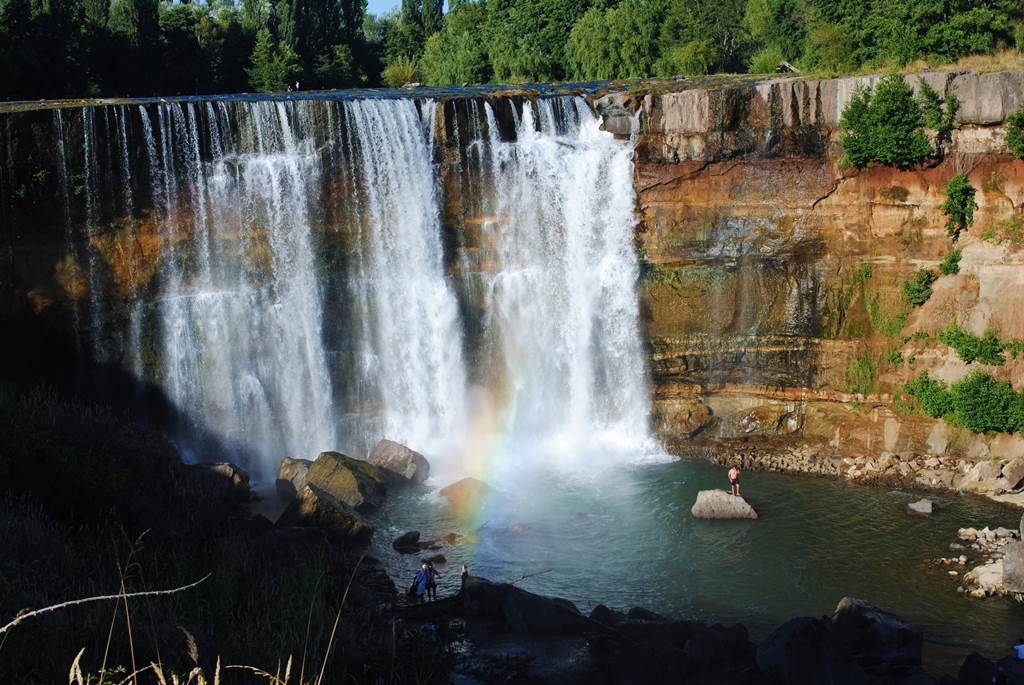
x: 719, y: 504
x: 1013, y: 567
x: 356, y: 483
x: 291, y: 477
x: 400, y: 460
x: 465, y: 495
x: 317, y: 507
x: 878, y: 640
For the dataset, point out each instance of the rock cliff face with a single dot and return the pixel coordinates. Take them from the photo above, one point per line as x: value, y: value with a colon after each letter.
x: 772, y: 281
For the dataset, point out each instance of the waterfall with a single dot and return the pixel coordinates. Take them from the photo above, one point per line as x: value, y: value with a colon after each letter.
x: 412, y: 347
x: 296, y: 284
x: 562, y: 304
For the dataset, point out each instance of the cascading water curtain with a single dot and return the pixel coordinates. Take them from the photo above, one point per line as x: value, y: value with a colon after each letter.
x: 239, y: 313
x: 562, y: 308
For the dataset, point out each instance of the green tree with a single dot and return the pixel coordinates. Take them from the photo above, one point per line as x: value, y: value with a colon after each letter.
x: 884, y: 125
x: 526, y: 39
x: 959, y: 205
x: 456, y: 54
x: 274, y: 65
x: 778, y: 25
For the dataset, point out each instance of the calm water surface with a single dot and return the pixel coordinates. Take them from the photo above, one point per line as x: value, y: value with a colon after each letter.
x: 626, y: 538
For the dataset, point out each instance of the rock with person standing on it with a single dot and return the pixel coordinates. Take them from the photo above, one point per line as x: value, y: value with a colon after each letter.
x: 922, y: 507
x: 400, y: 460
x: 719, y: 504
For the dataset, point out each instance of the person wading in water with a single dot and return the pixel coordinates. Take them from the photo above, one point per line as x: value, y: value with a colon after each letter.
x: 734, y: 480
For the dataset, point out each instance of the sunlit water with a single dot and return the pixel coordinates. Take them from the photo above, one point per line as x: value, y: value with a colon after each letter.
x: 626, y: 538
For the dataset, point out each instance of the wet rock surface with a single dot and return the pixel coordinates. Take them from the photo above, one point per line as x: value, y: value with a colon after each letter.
x: 718, y: 504
x: 400, y: 460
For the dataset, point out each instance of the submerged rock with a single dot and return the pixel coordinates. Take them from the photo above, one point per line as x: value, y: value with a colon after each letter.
x: 291, y: 477
x: 400, y: 460
x: 719, y: 504
x: 922, y: 506
x: 407, y: 543
x: 318, y: 508
x: 356, y: 483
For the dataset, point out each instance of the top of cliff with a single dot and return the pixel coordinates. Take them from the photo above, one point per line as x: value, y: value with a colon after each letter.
x: 987, y: 97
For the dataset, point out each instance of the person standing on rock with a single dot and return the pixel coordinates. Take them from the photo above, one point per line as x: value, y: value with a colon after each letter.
x: 432, y: 576
x: 734, y: 480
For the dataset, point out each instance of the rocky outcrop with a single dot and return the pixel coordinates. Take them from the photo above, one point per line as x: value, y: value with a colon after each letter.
x: 718, y: 504
x: 291, y: 477
x: 319, y: 508
x: 400, y: 460
x: 355, y: 483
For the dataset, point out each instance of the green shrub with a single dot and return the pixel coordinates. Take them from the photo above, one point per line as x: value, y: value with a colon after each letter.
x: 884, y: 125
x: 919, y: 288
x: 400, y: 71
x: 951, y: 263
x: 986, y: 405
x: 931, y: 395
x: 959, y: 205
x: 766, y: 60
x: 970, y: 348
x: 861, y: 374
x: 1015, y: 132
x: 894, y: 357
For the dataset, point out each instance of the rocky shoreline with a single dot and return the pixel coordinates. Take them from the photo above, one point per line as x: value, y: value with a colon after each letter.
x: 998, y: 479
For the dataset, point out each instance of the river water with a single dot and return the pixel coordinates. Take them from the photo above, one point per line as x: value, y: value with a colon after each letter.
x: 625, y: 537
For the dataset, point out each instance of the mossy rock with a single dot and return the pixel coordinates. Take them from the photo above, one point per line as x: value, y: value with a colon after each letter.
x: 356, y: 483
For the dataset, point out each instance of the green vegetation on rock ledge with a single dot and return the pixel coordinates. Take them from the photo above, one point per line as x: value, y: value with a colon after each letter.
x: 885, y: 125
x: 978, y: 402
x: 950, y: 264
x: 987, y: 349
x: 919, y: 288
x: 1015, y: 132
x: 959, y: 205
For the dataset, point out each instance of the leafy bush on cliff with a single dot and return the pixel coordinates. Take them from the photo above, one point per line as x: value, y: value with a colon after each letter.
x: 984, y: 404
x: 884, y: 125
x: 959, y: 205
x: 931, y: 394
x: 970, y: 348
x: 919, y: 288
x: 1015, y: 132
x: 978, y: 402
x: 950, y: 263
x: 861, y: 374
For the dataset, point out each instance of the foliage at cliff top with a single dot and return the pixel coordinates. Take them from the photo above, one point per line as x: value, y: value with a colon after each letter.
x: 977, y: 402
x: 884, y: 125
x: 77, y: 48
x: 959, y: 205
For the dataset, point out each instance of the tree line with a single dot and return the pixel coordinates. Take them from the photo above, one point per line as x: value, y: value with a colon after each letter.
x: 78, y: 48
